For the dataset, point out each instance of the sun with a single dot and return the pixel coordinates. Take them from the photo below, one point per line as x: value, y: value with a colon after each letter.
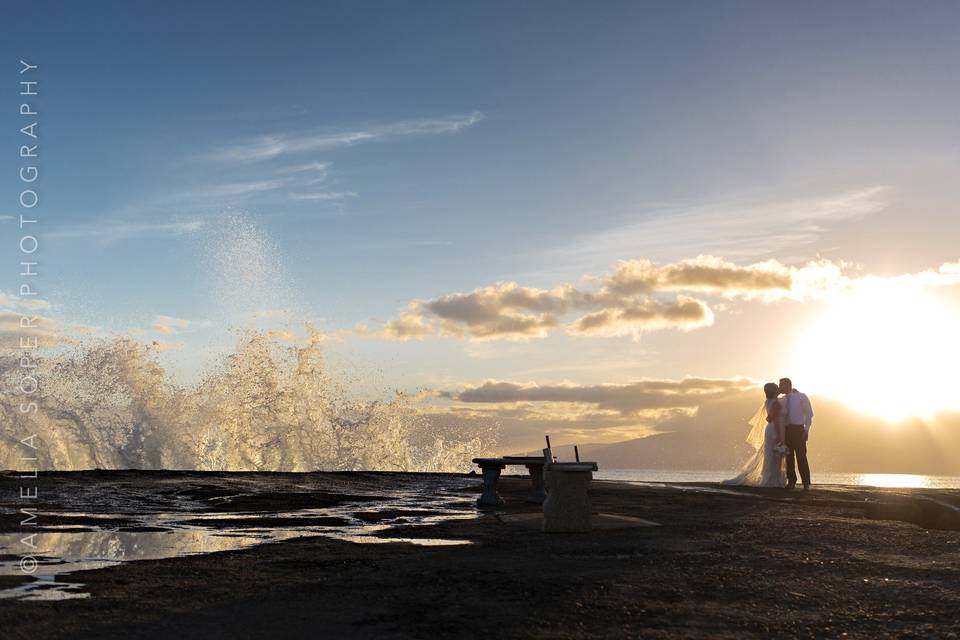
x: 887, y: 348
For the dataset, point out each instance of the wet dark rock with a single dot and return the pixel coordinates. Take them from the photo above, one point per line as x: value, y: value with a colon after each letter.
x: 920, y: 511
x: 722, y: 564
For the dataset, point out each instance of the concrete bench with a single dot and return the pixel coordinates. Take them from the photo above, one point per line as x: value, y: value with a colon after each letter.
x: 491, y: 468
x: 567, y: 508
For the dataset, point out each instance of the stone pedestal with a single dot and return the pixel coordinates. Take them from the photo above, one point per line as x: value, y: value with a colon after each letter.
x: 567, y: 507
x: 537, y: 494
x: 491, y: 476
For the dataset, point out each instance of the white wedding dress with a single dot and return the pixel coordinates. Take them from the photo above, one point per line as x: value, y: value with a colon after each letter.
x: 766, y: 467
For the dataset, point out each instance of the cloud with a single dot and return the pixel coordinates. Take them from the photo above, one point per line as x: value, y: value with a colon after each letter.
x: 683, y: 313
x: 508, y: 311
x: 707, y: 274
x: 593, y: 413
x: 638, y: 296
x: 742, y: 228
x: 504, y: 310
x: 107, y: 231
x: 161, y: 347
x: 710, y: 275
x: 625, y: 399
x: 272, y: 146
x: 198, y: 201
x: 170, y: 325
x: 12, y: 301
x: 324, y: 195
x: 19, y: 330
x: 321, y: 169
x: 300, y: 183
x: 243, y: 188
x: 946, y: 275
x: 409, y: 326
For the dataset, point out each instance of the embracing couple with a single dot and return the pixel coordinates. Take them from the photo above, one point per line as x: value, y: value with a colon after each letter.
x: 780, y: 430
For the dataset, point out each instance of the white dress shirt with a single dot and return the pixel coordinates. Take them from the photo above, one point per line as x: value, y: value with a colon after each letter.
x: 798, y: 409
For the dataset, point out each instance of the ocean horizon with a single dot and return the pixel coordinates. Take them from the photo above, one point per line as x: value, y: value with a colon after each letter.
x: 886, y: 480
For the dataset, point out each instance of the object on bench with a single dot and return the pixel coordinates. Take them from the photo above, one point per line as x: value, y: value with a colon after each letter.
x: 491, y: 468
x: 567, y: 508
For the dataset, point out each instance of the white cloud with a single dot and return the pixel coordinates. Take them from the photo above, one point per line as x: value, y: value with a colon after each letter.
x: 316, y: 167
x: 161, y: 347
x: 244, y: 188
x: 272, y: 146
x: 738, y: 228
x: 107, y: 231
x: 170, y: 325
x: 324, y: 195
x: 16, y: 327
x: 13, y: 301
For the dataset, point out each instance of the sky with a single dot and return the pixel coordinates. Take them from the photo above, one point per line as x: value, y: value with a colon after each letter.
x: 464, y: 195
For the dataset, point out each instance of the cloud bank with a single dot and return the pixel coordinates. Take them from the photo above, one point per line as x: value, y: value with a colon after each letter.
x: 636, y: 297
x: 626, y: 399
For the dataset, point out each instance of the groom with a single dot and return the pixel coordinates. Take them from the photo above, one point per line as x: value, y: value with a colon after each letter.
x: 799, y: 417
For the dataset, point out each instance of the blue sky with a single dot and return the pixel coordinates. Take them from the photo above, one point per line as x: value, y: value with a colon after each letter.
x: 381, y: 153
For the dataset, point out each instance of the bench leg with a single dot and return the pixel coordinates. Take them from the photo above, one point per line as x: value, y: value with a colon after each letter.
x: 537, y: 494
x: 490, y: 497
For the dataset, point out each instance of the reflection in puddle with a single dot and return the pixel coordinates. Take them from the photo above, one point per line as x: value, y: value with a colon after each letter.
x: 67, y: 548
x: 46, y: 588
x: 420, y: 542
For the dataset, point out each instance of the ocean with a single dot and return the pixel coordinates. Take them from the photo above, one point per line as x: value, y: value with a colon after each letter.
x: 893, y: 480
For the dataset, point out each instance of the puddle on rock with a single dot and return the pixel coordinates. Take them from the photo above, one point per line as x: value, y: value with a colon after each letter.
x: 46, y: 588
x: 65, y: 549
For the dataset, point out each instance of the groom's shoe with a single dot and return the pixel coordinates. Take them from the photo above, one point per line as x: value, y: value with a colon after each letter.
x: 791, y: 486
x: 806, y: 487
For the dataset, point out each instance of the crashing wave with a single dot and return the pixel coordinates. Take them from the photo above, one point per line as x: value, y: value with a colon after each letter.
x: 267, y: 407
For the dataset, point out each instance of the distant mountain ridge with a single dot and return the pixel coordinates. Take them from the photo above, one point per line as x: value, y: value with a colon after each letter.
x: 841, y: 441
x: 693, y: 450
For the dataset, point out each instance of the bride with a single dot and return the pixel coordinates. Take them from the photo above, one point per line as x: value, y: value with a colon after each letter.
x: 765, y: 468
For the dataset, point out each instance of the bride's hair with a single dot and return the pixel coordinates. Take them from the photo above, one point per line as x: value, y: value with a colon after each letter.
x: 771, y: 389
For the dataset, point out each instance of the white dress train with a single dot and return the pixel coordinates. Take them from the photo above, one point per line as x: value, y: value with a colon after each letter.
x: 766, y: 467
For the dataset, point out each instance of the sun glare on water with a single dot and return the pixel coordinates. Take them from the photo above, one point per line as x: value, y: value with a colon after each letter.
x: 885, y: 348
x: 894, y: 480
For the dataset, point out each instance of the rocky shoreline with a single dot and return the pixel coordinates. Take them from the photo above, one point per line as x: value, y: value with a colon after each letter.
x: 837, y: 562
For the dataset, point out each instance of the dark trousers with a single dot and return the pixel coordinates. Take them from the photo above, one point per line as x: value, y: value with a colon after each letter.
x: 796, y: 441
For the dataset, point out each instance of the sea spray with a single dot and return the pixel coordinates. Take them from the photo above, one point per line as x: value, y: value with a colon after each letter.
x: 267, y: 406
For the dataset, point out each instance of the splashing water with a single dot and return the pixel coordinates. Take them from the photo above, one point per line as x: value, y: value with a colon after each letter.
x: 267, y: 407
